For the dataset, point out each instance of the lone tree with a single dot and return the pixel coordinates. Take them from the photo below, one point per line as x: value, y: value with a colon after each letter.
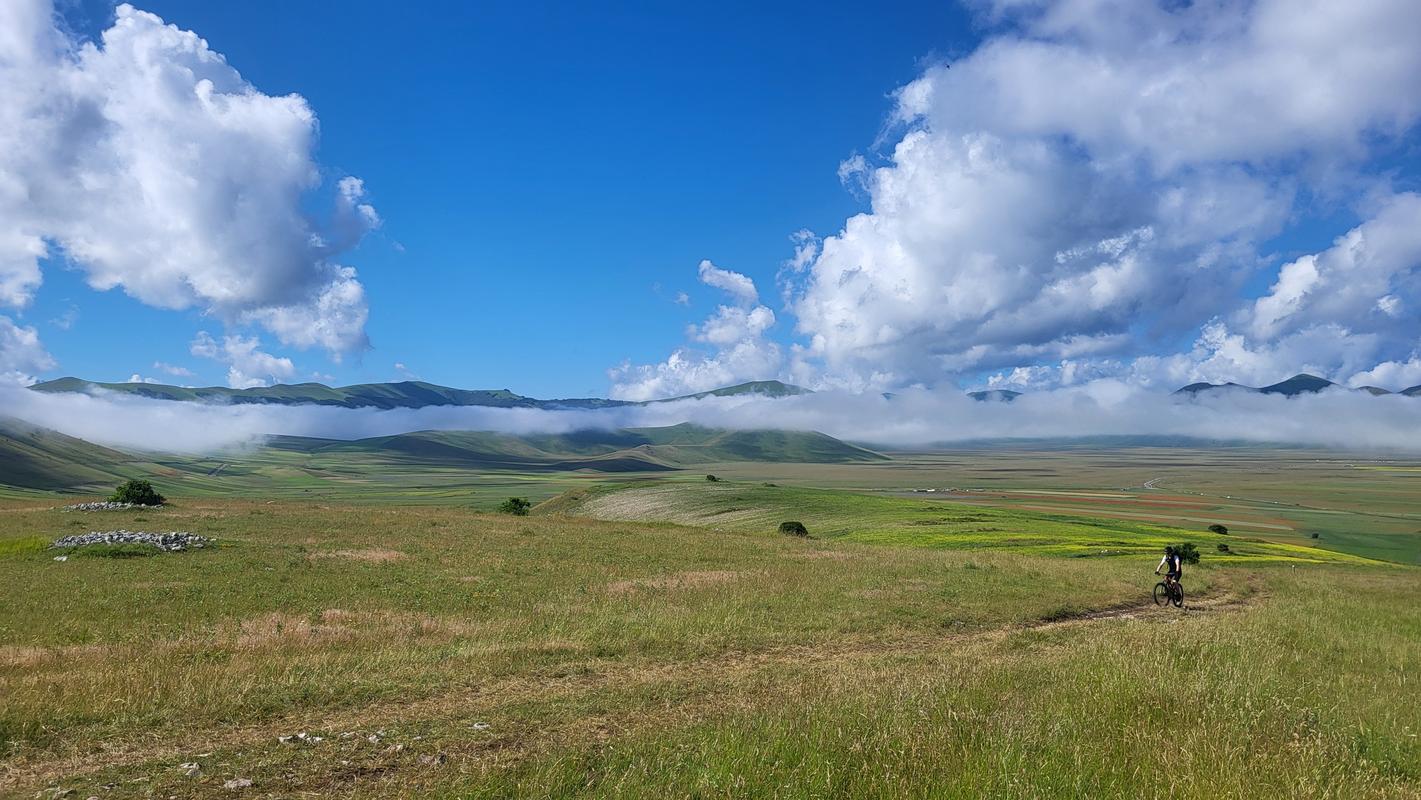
x: 793, y: 528
x: 713, y: 479
x: 1223, y: 548
x: 1219, y: 529
x: 138, y: 493
x: 517, y: 506
x: 1188, y: 553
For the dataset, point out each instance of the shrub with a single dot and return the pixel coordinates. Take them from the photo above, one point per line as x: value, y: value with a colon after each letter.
x: 1314, y: 536
x: 713, y: 479
x: 1219, y: 529
x: 793, y: 528
x: 1188, y: 553
x: 139, y: 493
x: 1223, y: 548
x: 517, y: 506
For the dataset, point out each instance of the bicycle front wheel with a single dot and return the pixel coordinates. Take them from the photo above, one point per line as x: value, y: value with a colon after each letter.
x: 1161, y: 594
x: 1178, y: 596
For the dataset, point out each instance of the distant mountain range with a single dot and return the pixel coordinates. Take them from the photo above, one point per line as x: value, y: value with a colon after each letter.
x: 404, y: 394
x: 1292, y: 387
x: 419, y: 394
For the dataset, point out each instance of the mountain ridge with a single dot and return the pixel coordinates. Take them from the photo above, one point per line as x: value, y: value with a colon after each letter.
x: 1302, y: 383
x: 397, y: 394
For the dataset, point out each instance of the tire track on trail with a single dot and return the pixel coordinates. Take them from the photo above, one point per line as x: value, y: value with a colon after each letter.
x: 41, y: 769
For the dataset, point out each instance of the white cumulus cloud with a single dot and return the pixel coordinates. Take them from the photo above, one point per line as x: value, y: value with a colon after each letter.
x: 1096, y: 181
x: 735, y: 331
x: 21, y: 354
x: 247, y: 365
x: 145, y: 160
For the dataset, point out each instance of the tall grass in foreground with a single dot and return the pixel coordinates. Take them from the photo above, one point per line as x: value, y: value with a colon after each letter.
x: 616, y: 659
x: 1309, y: 694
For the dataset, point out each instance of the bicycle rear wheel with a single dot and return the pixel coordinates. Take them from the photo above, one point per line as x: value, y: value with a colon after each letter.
x: 1161, y: 594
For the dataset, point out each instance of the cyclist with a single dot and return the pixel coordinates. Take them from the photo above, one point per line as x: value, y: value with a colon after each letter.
x: 1172, y: 564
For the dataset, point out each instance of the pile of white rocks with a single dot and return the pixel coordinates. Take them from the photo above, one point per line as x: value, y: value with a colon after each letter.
x: 170, y: 542
x: 105, y: 505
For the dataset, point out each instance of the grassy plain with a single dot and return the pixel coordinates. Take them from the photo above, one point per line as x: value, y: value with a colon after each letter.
x: 878, y: 519
x: 1358, y: 503
x: 1362, y: 504
x: 440, y: 652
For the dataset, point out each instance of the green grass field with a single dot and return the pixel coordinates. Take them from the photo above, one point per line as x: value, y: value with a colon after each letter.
x: 751, y: 508
x: 913, y: 648
x: 1348, y: 503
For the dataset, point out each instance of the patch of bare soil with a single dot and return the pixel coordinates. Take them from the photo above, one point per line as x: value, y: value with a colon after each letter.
x: 680, y: 580
x: 373, y: 555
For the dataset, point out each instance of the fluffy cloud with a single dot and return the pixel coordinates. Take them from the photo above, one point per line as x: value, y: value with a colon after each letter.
x: 21, y: 354
x: 736, y: 331
x: 149, y: 163
x: 1365, y: 281
x: 738, y: 286
x: 172, y: 369
x: 247, y: 366
x: 1095, y: 181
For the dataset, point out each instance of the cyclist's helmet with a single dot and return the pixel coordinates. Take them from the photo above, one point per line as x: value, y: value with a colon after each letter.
x: 1169, y: 549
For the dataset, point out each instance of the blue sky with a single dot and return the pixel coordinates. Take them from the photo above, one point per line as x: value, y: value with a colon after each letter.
x: 545, y: 167
x: 1024, y: 194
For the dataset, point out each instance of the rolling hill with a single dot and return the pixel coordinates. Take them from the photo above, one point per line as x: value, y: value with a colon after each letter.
x: 766, y: 388
x: 625, y: 450
x: 38, y: 458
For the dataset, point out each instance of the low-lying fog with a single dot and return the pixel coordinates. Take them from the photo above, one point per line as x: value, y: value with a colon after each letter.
x: 914, y: 418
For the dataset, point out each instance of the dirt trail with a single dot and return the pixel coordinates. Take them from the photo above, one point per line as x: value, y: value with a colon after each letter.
x: 43, y: 769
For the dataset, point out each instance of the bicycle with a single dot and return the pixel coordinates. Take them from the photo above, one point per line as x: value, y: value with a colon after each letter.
x: 1168, y: 591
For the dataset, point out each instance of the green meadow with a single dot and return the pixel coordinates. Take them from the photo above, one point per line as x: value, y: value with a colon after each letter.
x: 660, y: 638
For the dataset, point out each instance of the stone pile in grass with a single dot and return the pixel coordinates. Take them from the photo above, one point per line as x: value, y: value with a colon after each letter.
x: 106, y: 505
x: 170, y: 542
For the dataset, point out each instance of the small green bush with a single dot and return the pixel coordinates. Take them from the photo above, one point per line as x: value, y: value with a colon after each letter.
x: 517, y: 506
x: 1188, y: 553
x: 1219, y: 529
x: 713, y: 479
x: 1315, y: 536
x: 1223, y: 548
x: 793, y: 528
x: 137, y: 492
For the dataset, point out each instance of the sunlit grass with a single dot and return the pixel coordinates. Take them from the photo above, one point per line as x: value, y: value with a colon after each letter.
x: 614, y: 658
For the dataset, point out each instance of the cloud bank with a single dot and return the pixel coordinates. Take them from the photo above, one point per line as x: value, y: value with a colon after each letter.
x: 1099, y: 180
x: 913, y: 419
x: 147, y: 162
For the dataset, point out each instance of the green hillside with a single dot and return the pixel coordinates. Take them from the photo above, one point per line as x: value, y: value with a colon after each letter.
x: 36, y: 458
x: 767, y: 388
x: 627, y: 450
